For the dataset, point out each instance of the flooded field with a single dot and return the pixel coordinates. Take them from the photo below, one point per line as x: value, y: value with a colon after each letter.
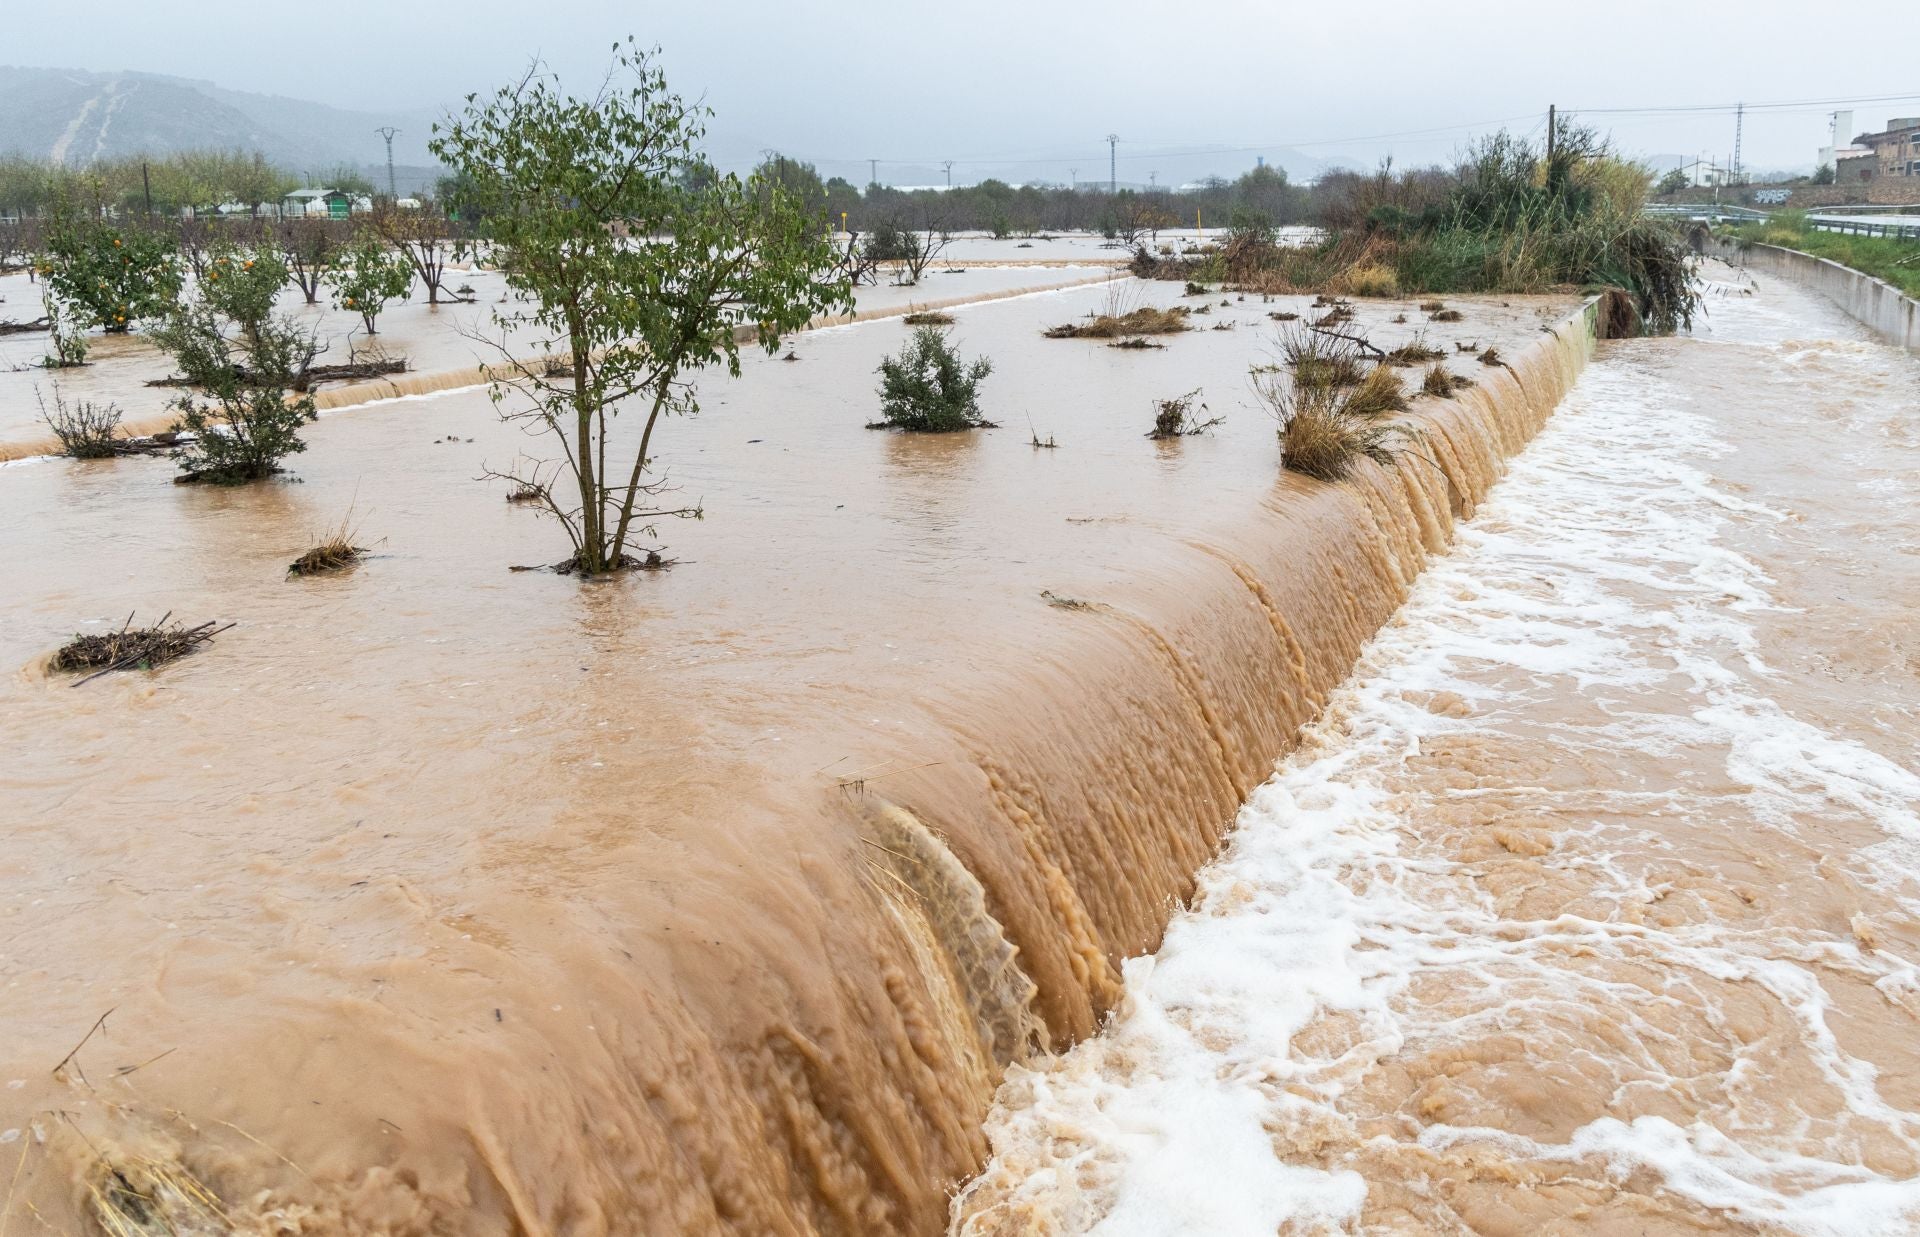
x: 1591, y: 902
x: 442, y: 344
x: 436, y: 896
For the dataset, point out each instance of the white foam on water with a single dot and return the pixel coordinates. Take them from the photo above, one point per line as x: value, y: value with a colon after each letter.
x: 1596, y: 574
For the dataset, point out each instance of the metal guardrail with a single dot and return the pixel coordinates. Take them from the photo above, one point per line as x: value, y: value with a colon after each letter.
x: 1897, y: 227
x: 1705, y: 211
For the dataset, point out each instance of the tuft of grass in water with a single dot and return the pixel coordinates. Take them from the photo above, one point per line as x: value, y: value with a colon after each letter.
x: 1143, y: 321
x: 1414, y: 352
x: 1321, y: 360
x: 1320, y: 434
x: 1432, y: 307
x: 1492, y: 357
x: 1379, y: 393
x: 1443, y: 382
x: 1448, y: 315
x: 928, y: 317
x: 335, y: 552
x: 1372, y: 279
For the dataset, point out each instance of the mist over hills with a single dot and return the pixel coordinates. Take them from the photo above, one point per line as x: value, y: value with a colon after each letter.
x: 74, y: 117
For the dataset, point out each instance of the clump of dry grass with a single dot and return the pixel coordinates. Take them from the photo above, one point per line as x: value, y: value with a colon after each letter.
x: 1372, y: 279
x: 1320, y: 360
x: 1448, y: 315
x: 1179, y: 417
x: 1432, y: 307
x: 1283, y: 316
x: 335, y: 552
x: 1414, y: 352
x: 928, y: 317
x: 1320, y: 434
x: 525, y: 492
x: 1492, y: 357
x: 1137, y: 343
x: 1443, y: 382
x: 1335, y: 316
x: 140, y: 1196
x: 1379, y: 393
x: 1143, y: 321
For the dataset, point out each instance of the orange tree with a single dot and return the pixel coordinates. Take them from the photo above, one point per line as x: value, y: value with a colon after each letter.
x: 107, y: 276
x: 636, y: 273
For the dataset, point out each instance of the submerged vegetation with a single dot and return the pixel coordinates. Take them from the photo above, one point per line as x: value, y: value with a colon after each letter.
x: 334, y: 552
x: 1181, y: 417
x: 1325, y: 432
x: 558, y: 183
x: 246, y: 369
x: 927, y: 388
x: 1139, y: 322
x: 1509, y: 218
x: 133, y: 648
x: 86, y: 430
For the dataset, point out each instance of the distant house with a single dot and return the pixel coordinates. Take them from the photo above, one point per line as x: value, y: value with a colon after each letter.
x: 1896, y: 150
x: 1853, y: 165
x: 1702, y: 174
x: 317, y: 203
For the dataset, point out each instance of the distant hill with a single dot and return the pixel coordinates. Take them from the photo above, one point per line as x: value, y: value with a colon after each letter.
x: 75, y: 117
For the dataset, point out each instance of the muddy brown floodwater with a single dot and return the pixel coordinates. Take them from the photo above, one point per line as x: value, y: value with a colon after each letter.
x: 442, y: 345
x: 1591, y: 904
x: 434, y: 896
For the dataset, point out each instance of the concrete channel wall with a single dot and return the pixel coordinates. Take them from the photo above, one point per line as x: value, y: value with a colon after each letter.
x: 1874, y: 303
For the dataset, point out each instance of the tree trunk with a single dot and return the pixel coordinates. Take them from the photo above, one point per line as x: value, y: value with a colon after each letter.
x: 593, y: 542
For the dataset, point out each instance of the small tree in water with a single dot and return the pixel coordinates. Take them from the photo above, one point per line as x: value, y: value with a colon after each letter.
x: 366, y: 276
x: 558, y: 185
x: 927, y: 387
x: 249, y: 367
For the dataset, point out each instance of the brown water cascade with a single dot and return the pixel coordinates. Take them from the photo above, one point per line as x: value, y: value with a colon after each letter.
x: 438, y: 898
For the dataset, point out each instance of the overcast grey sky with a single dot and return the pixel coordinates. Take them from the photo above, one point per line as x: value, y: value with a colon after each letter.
x: 1001, y: 80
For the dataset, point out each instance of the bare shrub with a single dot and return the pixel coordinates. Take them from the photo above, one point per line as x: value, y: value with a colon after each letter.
x: 1180, y: 417
x: 86, y: 430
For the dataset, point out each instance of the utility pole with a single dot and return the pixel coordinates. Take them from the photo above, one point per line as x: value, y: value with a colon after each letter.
x: 949, y: 166
x: 1552, y: 121
x: 873, y: 171
x: 146, y: 187
x: 387, y: 131
x: 1153, y: 180
x: 1113, y: 176
x: 1739, y: 123
x: 1074, y: 173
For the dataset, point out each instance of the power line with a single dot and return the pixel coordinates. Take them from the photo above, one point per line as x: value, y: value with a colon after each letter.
x: 1181, y: 152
